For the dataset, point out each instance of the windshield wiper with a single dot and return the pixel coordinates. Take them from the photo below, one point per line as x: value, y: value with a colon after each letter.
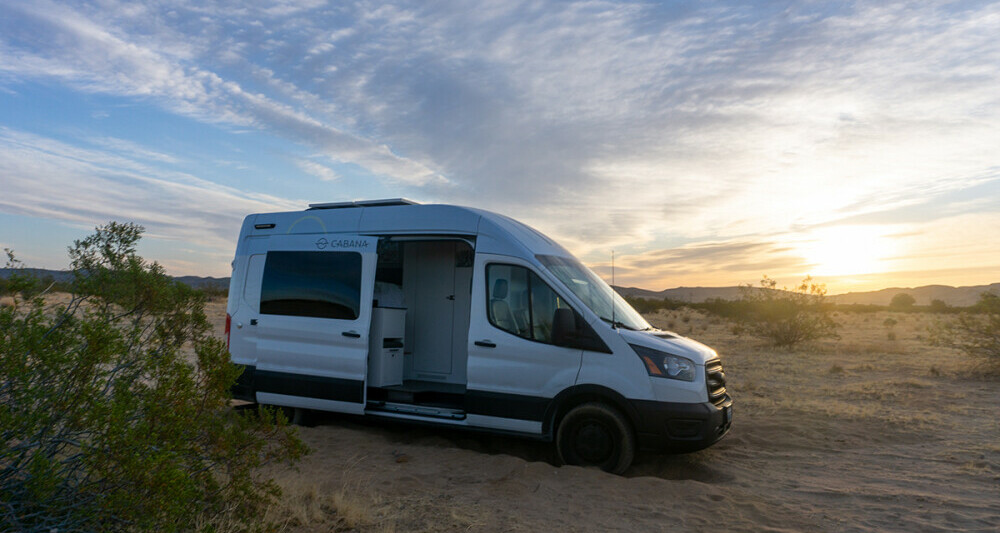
x: 617, y: 324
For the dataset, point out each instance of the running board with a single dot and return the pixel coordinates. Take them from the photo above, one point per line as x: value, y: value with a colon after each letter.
x: 419, y: 410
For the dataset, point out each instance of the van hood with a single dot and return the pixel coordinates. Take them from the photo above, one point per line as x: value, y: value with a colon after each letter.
x: 670, y: 342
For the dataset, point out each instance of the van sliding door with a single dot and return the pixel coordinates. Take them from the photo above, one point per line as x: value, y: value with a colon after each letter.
x: 314, y: 320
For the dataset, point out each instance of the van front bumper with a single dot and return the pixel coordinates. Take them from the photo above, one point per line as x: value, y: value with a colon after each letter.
x: 681, y: 427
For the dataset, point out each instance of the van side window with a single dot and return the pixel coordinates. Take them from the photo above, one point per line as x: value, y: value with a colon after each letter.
x: 315, y: 284
x: 519, y: 302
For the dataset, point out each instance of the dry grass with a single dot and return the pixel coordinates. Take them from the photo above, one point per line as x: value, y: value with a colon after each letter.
x: 858, y: 433
x: 344, y: 502
x: 865, y: 375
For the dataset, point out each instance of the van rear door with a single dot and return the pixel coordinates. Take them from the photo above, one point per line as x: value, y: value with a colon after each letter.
x: 313, y: 322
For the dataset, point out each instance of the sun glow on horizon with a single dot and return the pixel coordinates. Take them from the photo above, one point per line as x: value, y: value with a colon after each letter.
x: 847, y: 250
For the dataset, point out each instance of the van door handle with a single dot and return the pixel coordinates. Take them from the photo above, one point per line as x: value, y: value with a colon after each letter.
x: 351, y: 334
x: 485, y: 344
x: 253, y: 321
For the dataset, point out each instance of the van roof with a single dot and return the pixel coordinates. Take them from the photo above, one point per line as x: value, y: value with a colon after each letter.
x: 495, y: 233
x: 363, y: 203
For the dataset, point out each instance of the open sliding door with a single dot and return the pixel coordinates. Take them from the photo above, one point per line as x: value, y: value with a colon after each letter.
x: 314, y: 320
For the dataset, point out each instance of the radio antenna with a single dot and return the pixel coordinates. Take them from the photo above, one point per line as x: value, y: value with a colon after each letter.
x: 614, y: 324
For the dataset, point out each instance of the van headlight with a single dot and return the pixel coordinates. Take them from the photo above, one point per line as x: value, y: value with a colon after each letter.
x: 665, y: 365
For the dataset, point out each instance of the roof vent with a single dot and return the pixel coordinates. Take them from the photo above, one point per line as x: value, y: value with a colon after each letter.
x: 363, y: 203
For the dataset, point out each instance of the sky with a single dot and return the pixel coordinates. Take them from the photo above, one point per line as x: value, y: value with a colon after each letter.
x: 702, y: 143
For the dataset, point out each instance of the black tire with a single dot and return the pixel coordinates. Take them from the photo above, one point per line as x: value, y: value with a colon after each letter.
x: 595, y: 434
x: 298, y: 416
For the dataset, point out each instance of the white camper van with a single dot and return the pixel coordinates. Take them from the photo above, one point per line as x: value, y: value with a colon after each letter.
x: 460, y: 317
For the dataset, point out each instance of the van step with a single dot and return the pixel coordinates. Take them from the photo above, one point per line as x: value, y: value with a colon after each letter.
x: 420, y: 410
x: 400, y: 396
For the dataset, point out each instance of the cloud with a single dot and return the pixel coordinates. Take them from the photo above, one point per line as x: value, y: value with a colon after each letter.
x: 542, y: 104
x: 739, y: 261
x: 131, y: 149
x: 319, y: 170
x: 630, y: 125
x: 54, y: 180
x: 678, y: 122
x: 93, y: 58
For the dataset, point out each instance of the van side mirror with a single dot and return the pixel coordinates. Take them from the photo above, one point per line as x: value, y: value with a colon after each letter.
x: 563, y: 327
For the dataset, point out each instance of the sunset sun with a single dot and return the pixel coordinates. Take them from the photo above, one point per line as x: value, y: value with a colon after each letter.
x: 847, y: 250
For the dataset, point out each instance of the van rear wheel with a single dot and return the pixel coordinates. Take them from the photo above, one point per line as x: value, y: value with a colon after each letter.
x: 595, y: 434
x: 298, y: 416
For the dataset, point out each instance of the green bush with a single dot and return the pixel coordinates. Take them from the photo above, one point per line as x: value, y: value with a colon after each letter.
x: 785, y: 317
x: 902, y: 301
x: 648, y: 305
x: 728, y: 309
x: 214, y: 292
x: 114, y: 406
x: 975, y: 332
x: 938, y: 306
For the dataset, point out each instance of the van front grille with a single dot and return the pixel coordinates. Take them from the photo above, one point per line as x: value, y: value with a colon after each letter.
x: 715, y: 378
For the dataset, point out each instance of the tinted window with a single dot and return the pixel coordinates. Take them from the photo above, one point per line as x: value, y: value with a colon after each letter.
x: 317, y: 284
x: 520, y: 302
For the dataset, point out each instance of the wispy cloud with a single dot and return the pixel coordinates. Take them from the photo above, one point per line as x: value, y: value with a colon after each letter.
x: 606, y: 124
x: 319, y: 170
x: 742, y: 262
x: 93, y: 58
x: 51, y: 179
x: 131, y: 149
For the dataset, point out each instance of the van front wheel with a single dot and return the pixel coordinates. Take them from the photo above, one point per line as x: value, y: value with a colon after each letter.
x: 594, y: 434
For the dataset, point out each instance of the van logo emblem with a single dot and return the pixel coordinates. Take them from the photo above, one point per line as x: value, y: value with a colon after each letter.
x: 321, y: 243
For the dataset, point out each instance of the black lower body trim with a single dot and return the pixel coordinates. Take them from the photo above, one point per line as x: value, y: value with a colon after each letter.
x: 243, y: 389
x: 254, y: 380
x: 505, y: 405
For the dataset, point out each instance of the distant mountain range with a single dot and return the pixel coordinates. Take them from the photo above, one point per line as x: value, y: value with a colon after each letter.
x: 954, y: 296
x: 64, y: 276
x: 683, y: 294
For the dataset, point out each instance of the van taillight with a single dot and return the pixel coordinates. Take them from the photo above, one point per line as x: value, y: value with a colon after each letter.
x: 229, y: 323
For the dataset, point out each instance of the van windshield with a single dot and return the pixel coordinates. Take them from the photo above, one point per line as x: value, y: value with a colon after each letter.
x: 594, y: 292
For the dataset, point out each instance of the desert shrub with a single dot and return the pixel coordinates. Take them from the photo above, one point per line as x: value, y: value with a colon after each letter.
x: 643, y: 305
x: 652, y: 305
x: 729, y: 309
x: 975, y: 332
x: 215, y: 292
x: 902, y: 301
x: 114, y: 407
x: 860, y: 308
x: 938, y: 306
x: 786, y: 317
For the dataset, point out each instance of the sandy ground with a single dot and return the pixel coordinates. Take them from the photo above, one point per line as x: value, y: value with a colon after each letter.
x: 866, y: 433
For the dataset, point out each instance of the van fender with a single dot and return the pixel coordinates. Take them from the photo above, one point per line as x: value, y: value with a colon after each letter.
x: 581, y: 394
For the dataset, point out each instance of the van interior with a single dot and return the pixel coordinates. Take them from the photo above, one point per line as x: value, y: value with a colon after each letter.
x: 430, y: 279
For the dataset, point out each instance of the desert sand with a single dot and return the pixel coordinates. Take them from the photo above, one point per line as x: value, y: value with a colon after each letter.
x: 876, y: 431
